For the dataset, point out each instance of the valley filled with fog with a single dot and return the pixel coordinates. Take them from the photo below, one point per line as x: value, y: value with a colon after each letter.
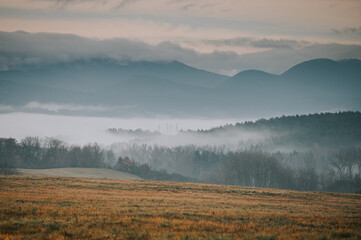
x: 180, y: 119
x: 82, y: 130
x: 161, y: 119
x: 319, y: 151
x: 165, y: 120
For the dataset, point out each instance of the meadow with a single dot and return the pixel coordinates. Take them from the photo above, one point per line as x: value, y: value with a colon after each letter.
x: 80, y: 172
x: 47, y: 207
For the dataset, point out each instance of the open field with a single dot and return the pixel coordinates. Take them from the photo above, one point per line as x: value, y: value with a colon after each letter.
x: 80, y: 172
x: 41, y: 207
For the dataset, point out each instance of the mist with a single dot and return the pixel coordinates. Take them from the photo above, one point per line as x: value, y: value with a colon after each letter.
x: 307, y: 150
x: 83, y: 130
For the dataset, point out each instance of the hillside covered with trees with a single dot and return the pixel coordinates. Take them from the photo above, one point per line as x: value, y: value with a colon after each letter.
x: 335, y: 130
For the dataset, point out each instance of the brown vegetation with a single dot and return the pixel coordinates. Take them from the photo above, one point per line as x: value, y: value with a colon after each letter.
x: 38, y: 207
x: 80, y: 172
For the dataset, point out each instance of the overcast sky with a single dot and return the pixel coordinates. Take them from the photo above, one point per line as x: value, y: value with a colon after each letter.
x: 221, y: 36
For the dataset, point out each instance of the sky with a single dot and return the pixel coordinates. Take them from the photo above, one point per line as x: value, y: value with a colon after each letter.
x: 225, y: 36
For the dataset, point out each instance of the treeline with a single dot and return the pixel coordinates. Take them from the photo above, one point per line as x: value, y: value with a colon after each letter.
x: 144, y: 171
x: 259, y: 169
x: 317, y: 170
x: 340, y: 129
x: 189, y: 160
x: 32, y: 152
x: 312, y: 171
x: 328, y: 156
x: 134, y: 133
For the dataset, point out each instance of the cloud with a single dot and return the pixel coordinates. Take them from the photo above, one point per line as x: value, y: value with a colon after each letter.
x: 59, y: 108
x: 124, y: 3
x: 244, y: 26
x: 348, y: 31
x: 6, y: 108
x: 21, y: 49
x: 279, y: 13
x: 259, y: 43
x: 54, y: 107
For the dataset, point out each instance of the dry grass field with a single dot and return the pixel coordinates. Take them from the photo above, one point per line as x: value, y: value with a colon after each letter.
x: 80, y: 172
x: 42, y: 207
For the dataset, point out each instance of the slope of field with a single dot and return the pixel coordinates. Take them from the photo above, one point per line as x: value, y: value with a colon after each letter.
x: 80, y: 172
x: 39, y: 207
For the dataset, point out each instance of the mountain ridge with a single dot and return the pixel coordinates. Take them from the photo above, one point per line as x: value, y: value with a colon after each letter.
x: 175, y: 88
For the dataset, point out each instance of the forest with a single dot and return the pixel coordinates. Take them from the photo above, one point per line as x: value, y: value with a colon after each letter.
x: 316, y: 152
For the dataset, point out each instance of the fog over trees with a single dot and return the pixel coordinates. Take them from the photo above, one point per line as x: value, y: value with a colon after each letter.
x: 318, y: 152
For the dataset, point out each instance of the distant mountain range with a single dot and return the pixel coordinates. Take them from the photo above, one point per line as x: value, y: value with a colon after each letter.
x: 109, y: 88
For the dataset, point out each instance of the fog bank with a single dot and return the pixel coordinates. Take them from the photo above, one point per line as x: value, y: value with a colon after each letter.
x: 83, y: 130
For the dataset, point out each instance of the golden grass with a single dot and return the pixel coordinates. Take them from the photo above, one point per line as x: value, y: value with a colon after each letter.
x: 38, y: 207
x: 80, y: 172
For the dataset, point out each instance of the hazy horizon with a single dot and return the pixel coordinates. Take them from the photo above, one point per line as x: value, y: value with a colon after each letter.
x: 73, y: 69
x: 84, y: 130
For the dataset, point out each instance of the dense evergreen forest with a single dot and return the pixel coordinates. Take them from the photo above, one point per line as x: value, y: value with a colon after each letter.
x: 337, y: 130
x: 319, y: 152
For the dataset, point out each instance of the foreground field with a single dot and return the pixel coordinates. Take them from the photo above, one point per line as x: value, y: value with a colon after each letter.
x: 80, y: 172
x: 38, y: 207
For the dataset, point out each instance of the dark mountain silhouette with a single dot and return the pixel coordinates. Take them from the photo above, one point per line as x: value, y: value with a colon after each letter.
x: 319, y: 84
x: 339, y: 75
x: 334, y: 84
x: 251, y: 75
x: 90, y: 75
x: 173, y: 88
x: 251, y: 83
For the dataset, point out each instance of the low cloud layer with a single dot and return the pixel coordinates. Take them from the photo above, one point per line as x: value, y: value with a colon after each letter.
x: 260, y: 43
x: 20, y: 49
x: 356, y: 31
x: 54, y: 107
x: 66, y: 109
x: 82, y: 130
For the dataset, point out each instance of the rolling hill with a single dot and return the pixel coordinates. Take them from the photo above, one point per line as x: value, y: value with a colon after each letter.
x: 76, y: 208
